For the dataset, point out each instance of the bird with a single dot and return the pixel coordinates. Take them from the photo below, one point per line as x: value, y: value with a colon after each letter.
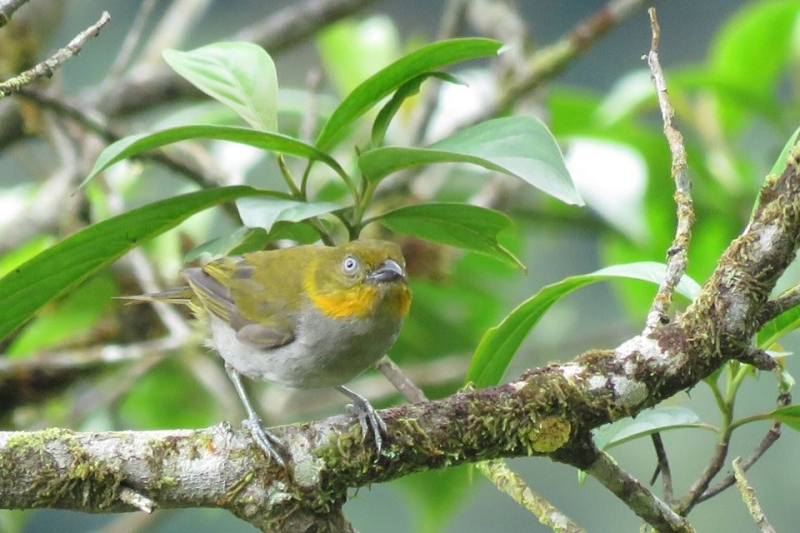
x: 307, y: 317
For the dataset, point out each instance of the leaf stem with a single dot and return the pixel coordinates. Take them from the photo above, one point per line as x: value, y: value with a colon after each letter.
x: 287, y: 177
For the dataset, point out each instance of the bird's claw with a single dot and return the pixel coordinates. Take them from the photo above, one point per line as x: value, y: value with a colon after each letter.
x: 368, y: 418
x: 269, y: 443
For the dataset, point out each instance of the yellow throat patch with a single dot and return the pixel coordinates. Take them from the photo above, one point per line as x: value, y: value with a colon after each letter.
x: 358, y: 302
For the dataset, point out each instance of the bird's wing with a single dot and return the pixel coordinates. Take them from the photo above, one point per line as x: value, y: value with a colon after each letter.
x: 225, y: 288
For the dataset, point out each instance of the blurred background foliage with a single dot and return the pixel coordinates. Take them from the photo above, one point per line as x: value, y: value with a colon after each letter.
x: 732, y: 74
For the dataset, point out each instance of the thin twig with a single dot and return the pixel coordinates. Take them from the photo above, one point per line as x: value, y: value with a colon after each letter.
x: 137, y: 500
x: 789, y: 299
x: 716, y: 463
x: 496, y: 471
x: 641, y: 500
x: 542, y: 66
x: 310, y: 117
x: 128, y: 45
x: 749, y: 497
x: 52, y: 205
x: 146, y: 277
x: 7, y: 8
x: 181, y: 17
x: 677, y: 253
x: 769, y: 439
x: 23, y: 379
x: 149, y: 85
x: 551, y: 60
x: 400, y: 380
x: 46, y: 68
x: 92, y: 120
x: 452, y: 17
x: 283, y: 405
x: 663, y: 467
x: 510, y: 483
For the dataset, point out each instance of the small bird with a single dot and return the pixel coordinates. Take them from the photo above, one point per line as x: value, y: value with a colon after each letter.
x: 305, y: 317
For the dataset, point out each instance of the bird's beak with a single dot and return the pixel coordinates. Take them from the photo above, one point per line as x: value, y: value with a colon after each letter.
x: 389, y: 271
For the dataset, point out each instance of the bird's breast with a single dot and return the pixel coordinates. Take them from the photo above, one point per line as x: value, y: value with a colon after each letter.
x: 325, y: 352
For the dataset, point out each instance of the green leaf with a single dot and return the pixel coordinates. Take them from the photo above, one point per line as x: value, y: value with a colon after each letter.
x: 752, y: 50
x: 244, y: 237
x: 789, y: 415
x: 276, y: 142
x: 408, y: 89
x: 240, y: 75
x: 754, y: 44
x: 464, y: 226
x: 60, y: 268
x: 783, y: 159
x: 265, y: 212
x: 378, y: 86
x: 779, y: 326
x: 646, y: 423
x: 72, y: 319
x: 36, y: 245
x: 500, y: 343
x: 517, y: 146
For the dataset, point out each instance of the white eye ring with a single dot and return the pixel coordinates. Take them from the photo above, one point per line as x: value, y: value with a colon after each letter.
x: 350, y: 265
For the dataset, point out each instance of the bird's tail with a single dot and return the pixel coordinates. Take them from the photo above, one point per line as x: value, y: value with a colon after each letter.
x: 178, y: 295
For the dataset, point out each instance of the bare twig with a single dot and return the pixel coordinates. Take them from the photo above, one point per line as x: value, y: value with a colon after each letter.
x: 716, y: 463
x: 128, y: 45
x: 663, y: 467
x: 136, y: 499
x: 7, y: 8
x: 400, y: 380
x: 570, y: 398
x: 781, y: 304
x: 452, y: 17
x: 149, y: 85
x: 509, y: 482
x: 283, y: 405
x: 177, y: 22
x: 310, y: 117
x: 52, y: 204
x: 46, y: 68
x: 297, y: 22
x: 769, y: 439
x: 496, y: 471
x: 641, y: 500
x: 677, y: 253
x: 174, y: 158
x: 749, y: 497
x: 22, y: 379
x: 551, y: 60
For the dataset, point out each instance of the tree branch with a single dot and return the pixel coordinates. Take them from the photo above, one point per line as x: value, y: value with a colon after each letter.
x: 749, y: 497
x: 549, y: 61
x: 548, y: 411
x: 46, y: 68
x: 7, y: 8
x: 150, y: 85
x: 677, y: 256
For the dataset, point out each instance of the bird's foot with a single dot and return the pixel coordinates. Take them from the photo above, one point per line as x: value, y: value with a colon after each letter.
x: 269, y: 443
x: 368, y: 417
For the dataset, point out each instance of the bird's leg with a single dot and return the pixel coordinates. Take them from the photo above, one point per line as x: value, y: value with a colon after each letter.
x: 369, y: 419
x: 268, y: 442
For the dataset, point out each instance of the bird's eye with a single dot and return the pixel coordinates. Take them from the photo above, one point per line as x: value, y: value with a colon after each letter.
x: 350, y: 265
